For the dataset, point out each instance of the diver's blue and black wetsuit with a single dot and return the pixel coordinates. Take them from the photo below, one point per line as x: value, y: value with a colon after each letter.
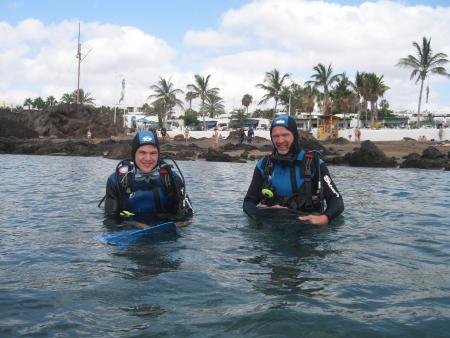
x: 145, y: 197
x: 294, y: 180
x: 281, y: 184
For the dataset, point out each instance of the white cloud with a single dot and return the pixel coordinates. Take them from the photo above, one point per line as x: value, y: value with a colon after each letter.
x: 43, y: 60
x: 294, y: 35
x: 290, y: 35
x: 212, y: 39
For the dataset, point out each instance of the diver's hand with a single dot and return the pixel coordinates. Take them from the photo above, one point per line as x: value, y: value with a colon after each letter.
x: 277, y: 206
x: 315, y: 219
x: 181, y: 224
x: 141, y: 225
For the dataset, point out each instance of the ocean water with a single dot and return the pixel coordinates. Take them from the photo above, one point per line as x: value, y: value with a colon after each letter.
x: 380, y: 270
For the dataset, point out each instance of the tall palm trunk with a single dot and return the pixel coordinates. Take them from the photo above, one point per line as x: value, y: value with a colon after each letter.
x: 420, y: 101
x: 203, y: 114
x: 372, y: 112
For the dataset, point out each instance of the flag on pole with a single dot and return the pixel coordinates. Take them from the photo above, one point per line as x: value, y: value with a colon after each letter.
x: 122, y: 92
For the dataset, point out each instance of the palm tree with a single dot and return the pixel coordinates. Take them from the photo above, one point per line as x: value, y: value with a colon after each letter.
x: 84, y: 97
x: 28, y: 102
x: 324, y: 78
x: 214, y: 105
x: 424, y: 64
x: 189, y: 97
x: 67, y: 98
x: 373, y: 88
x: 357, y: 87
x: 247, y: 101
x: 38, y: 103
x: 202, y: 90
x: 310, y: 93
x: 343, y: 96
x: 273, y: 85
x: 165, y: 94
x: 292, y: 98
x: 239, y: 115
x: 50, y: 102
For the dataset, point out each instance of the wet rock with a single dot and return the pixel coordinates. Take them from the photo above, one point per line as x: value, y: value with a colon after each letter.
x: 180, y: 147
x: 185, y: 155
x: 243, y: 146
x: 431, y: 158
x: 432, y: 153
x: 178, y: 137
x: 266, y: 148
x: 213, y: 155
x: 341, y: 140
x: 334, y: 160
x: 308, y: 142
x: 117, y: 151
x: 60, y: 122
x: 15, y: 128
x: 369, y: 155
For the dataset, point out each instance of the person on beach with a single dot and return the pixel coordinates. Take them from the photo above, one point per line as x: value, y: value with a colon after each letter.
x: 186, y: 135
x: 357, y: 134
x: 292, y: 178
x: 165, y: 137
x: 250, y: 134
x: 215, y: 138
x: 241, y: 136
x: 441, y: 133
x: 146, y: 189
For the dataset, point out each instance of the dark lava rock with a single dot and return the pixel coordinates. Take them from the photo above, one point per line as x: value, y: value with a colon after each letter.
x: 335, y: 160
x: 213, y: 155
x: 309, y: 142
x: 12, y: 127
x: 60, y: 122
x: 431, y: 158
x: 243, y: 146
x: 369, y: 155
x: 432, y: 153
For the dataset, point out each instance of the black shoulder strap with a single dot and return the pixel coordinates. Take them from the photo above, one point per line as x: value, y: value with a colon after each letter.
x: 308, y: 160
x: 267, y: 165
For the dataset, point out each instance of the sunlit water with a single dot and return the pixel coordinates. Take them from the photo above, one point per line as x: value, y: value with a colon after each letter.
x: 381, y: 270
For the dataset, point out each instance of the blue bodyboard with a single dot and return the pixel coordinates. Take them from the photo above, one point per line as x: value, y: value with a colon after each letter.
x: 127, y: 237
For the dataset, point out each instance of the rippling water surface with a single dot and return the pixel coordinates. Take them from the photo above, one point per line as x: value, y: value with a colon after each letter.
x: 381, y: 270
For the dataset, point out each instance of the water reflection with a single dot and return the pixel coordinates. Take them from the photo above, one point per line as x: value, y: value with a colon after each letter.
x: 290, y: 257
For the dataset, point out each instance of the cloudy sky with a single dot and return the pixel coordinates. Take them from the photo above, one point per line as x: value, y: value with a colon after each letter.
x: 236, y: 41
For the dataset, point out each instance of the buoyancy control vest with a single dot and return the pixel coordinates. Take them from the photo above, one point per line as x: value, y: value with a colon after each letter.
x: 162, y: 192
x: 294, y: 182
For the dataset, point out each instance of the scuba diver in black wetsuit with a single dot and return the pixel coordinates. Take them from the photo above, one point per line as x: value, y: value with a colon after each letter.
x: 294, y: 179
x: 146, y: 189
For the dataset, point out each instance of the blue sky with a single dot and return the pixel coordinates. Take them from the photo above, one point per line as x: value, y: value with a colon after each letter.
x: 167, y: 19
x: 236, y: 41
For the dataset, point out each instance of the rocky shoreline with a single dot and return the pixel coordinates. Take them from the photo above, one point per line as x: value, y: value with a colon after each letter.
x: 404, y: 154
x: 62, y: 132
